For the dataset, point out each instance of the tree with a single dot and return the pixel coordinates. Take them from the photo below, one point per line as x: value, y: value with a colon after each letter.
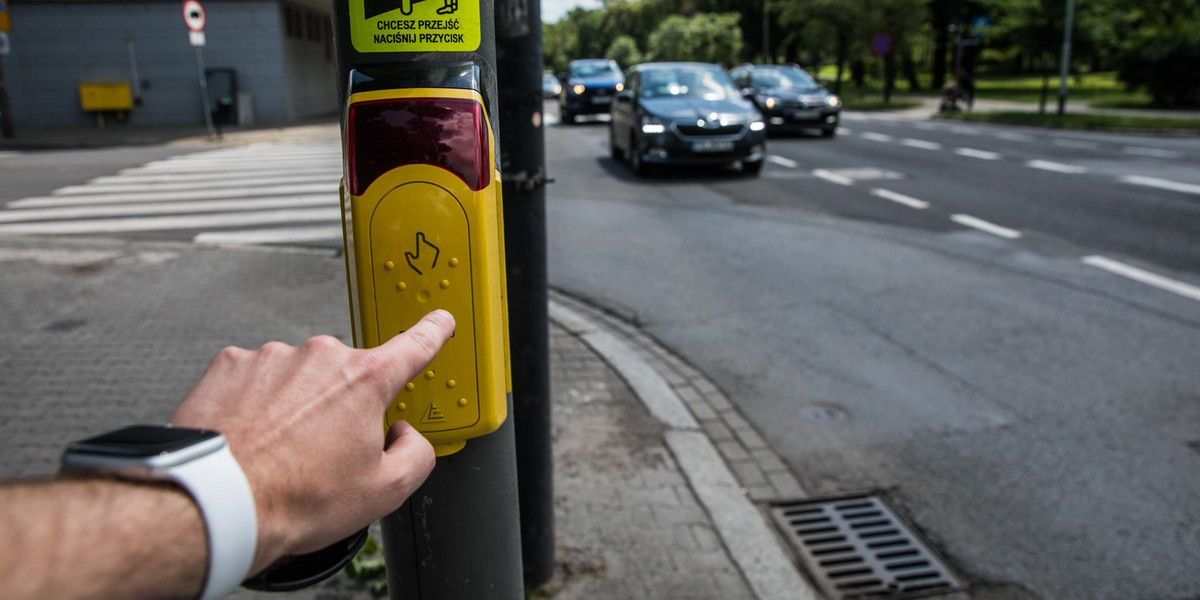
x: 624, y: 50
x: 704, y: 37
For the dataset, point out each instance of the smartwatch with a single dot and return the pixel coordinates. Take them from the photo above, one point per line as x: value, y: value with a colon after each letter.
x: 199, y: 460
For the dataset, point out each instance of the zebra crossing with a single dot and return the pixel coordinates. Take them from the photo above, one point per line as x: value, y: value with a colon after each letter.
x: 247, y: 195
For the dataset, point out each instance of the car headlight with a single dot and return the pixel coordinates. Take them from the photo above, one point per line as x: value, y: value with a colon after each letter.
x: 770, y: 103
x: 833, y: 101
x: 578, y: 89
x: 620, y: 86
x: 757, y: 126
x: 651, y: 125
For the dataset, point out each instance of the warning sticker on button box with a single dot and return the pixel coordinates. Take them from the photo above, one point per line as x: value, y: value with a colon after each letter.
x: 414, y: 25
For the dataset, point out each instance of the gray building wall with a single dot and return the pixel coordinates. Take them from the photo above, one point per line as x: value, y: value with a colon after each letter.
x: 308, y: 64
x: 59, y: 44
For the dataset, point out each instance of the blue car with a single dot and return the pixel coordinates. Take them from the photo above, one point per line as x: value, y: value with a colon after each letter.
x: 589, y: 87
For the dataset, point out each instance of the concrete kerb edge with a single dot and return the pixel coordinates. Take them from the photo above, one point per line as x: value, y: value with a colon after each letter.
x: 750, y: 540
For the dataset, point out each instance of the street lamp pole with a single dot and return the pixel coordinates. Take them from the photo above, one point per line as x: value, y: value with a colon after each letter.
x: 1064, y: 65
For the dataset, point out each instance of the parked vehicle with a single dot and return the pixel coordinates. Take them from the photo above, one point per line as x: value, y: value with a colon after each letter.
x: 685, y: 114
x: 551, y: 88
x: 789, y: 98
x: 588, y: 88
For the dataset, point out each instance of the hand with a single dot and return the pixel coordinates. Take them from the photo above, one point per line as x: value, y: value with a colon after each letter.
x: 306, y: 426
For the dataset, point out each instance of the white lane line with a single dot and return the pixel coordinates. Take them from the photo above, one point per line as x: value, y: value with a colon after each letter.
x: 1162, y: 184
x: 1146, y: 277
x: 239, y: 192
x: 177, y: 177
x: 833, y: 177
x: 164, y: 208
x: 899, y: 198
x: 9, y: 154
x: 980, y: 154
x: 241, y: 219
x: 110, y: 188
x: 783, y: 162
x: 844, y: 131
x: 927, y: 126
x: 1151, y: 152
x: 1076, y: 144
x: 875, y: 137
x: 959, y: 129
x: 238, y: 165
x: 985, y: 226
x: 922, y: 144
x: 1015, y: 137
x: 254, y: 237
x: 1047, y: 165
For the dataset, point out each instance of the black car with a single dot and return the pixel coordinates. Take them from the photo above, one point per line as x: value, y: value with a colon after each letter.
x: 685, y: 114
x: 588, y: 88
x: 789, y: 98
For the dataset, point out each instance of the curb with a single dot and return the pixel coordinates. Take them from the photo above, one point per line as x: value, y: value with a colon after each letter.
x: 710, y: 440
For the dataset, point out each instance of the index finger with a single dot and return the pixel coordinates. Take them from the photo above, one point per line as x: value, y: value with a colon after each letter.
x: 403, y: 356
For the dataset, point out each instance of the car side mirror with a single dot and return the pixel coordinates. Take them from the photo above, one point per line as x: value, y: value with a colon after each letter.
x: 748, y: 93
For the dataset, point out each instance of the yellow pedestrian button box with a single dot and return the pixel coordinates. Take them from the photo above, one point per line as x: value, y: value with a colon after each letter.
x: 422, y: 217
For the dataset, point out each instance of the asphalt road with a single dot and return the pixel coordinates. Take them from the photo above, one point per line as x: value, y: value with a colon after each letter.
x: 970, y: 340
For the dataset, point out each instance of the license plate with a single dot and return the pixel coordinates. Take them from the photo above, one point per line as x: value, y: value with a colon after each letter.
x: 711, y: 146
x: 602, y: 100
x: 805, y: 114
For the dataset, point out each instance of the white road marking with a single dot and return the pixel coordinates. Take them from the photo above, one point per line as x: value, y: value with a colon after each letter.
x: 134, y: 177
x: 1151, y: 152
x: 241, y: 219
x: 165, y: 208
x: 985, y: 226
x: 1146, y: 277
x: 235, y: 165
x: 781, y: 161
x: 208, y: 182
x: 875, y: 137
x: 980, y: 154
x: 844, y: 131
x: 250, y: 237
x: 922, y: 144
x: 833, y: 177
x: 9, y: 154
x: 1014, y: 137
x: 1076, y: 144
x: 1047, y: 165
x: 278, y: 190
x: 959, y: 129
x: 927, y: 126
x: 1162, y: 184
x: 899, y: 198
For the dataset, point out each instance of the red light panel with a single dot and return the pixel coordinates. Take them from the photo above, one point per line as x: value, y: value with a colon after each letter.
x: 450, y: 133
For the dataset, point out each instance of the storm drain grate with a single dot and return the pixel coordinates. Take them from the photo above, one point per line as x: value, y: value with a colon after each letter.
x: 858, y: 547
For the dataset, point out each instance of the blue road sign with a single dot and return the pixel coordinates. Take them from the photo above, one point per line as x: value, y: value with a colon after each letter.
x: 881, y: 44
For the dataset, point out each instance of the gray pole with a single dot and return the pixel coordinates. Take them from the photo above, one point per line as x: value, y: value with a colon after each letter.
x: 766, y: 34
x: 6, y: 119
x: 1064, y: 66
x: 206, y: 103
x: 523, y: 160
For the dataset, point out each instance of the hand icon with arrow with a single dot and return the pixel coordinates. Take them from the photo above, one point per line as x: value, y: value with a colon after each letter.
x: 431, y: 255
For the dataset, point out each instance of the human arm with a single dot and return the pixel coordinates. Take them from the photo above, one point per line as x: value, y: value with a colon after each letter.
x: 304, y: 424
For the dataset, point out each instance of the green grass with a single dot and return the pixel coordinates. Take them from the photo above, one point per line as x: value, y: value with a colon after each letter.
x: 1082, y: 121
x: 875, y: 103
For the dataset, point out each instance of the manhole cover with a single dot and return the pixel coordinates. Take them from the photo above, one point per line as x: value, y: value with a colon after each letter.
x: 858, y: 547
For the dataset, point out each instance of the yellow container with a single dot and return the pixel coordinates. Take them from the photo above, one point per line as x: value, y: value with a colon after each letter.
x: 105, y: 95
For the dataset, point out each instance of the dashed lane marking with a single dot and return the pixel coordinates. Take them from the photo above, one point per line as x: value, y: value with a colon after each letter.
x: 833, y: 177
x: 985, y: 226
x: 1014, y: 137
x: 922, y: 144
x: 1151, y: 152
x: 876, y: 137
x: 1077, y: 144
x: 1056, y: 167
x: 1162, y: 184
x: 1142, y: 276
x: 899, y: 198
x: 975, y: 153
x: 783, y: 162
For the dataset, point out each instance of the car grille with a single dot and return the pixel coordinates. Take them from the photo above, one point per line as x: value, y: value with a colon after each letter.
x: 693, y: 130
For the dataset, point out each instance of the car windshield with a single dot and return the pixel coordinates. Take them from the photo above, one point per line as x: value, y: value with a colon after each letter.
x: 794, y: 79
x: 709, y: 84
x: 548, y: 79
x: 597, y: 69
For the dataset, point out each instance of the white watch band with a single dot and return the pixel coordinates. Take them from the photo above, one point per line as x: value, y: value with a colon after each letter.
x: 220, y: 488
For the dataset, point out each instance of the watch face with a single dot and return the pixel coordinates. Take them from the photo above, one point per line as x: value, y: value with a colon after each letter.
x: 142, y: 441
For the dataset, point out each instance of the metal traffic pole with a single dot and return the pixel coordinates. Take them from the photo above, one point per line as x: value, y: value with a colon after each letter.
x: 195, y: 19
x: 523, y: 163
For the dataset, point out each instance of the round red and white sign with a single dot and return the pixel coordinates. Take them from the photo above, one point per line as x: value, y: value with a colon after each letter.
x: 193, y: 15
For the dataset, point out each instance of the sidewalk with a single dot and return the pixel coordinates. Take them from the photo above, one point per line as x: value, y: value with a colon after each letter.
x: 929, y: 108
x: 656, y: 474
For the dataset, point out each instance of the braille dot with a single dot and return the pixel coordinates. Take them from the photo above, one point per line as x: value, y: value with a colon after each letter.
x: 410, y: 386
x: 450, y: 384
x: 445, y: 283
x: 462, y: 401
x: 402, y: 406
x: 430, y: 375
x: 389, y: 265
x: 401, y: 286
x: 423, y: 296
x: 454, y: 262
